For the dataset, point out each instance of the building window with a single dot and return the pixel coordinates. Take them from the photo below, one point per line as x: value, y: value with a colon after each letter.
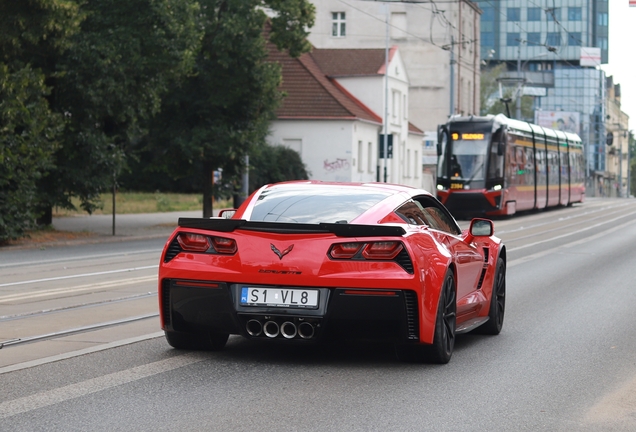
x: 534, y: 14
x: 553, y: 14
x: 512, y: 39
x: 553, y: 39
x: 408, y: 162
x: 601, y: 42
x: 602, y: 19
x: 360, y: 156
x: 575, y: 14
x: 514, y: 14
x: 405, y: 108
x: 534, y: 39
x: 488, y: 13
x: 574, y: 39
x: 369, y: 158
x: 396, y: 100
x: 338, y: 26
x: 488, y: 39
x: 398, y: 25
x: 417, y: 162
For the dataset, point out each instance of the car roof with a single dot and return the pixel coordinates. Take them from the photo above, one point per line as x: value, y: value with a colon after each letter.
x: 389, y: 187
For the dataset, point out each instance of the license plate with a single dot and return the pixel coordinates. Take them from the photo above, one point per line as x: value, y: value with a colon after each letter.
x: 279, y: 297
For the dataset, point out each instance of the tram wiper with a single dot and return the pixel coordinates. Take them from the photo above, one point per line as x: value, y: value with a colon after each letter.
x: 481, y: 166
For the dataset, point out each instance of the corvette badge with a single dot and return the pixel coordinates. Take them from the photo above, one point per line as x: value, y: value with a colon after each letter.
x: 279, y: 253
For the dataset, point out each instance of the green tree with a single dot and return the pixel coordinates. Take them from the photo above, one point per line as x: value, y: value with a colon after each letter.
x: 28, y: 138
x: 272, y: 164
x: 109, y: 85
x: 32, y: 33
x: 222, y: 112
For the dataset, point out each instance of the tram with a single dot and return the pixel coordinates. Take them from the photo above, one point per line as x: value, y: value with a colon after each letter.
x: 496, y: 166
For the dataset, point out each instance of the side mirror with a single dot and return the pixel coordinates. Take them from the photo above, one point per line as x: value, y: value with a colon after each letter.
x: 501, y: 147
x: 442, y: 138
x: 481, y: 227
x: 227, y: 213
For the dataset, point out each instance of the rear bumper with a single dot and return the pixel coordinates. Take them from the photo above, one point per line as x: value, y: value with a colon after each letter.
x: 342, y: 313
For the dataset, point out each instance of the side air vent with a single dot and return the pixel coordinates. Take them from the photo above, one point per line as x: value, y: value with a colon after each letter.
x: 412, y: 322
x: 173, y: 250
x: 165, y: 301
x: 404, y: 260
x: 486, y: 256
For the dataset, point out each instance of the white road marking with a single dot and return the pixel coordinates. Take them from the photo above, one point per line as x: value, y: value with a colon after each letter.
x: 66, y: 290
x: 94, y: 385
x: 563, y: 246
x: 80, y: 275
x: 81, y: 258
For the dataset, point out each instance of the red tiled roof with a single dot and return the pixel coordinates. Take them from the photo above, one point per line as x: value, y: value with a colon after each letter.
x: 310, y: 94
x: 352, y: 62
x: 415, y: 129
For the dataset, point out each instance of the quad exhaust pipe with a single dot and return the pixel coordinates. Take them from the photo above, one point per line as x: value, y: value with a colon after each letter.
x: 306, y: 330
x: 288, y: 330
x: 254, y: 328
x: 271, y: 329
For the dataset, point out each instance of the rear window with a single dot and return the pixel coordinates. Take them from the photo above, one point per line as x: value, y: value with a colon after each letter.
x: 312, y: 204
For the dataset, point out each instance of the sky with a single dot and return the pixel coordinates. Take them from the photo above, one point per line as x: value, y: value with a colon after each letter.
x: 622, y: 54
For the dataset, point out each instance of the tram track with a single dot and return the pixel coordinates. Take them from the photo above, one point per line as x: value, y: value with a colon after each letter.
x: 589, y: 223
x: 82, y: 329
x: 75, y: 307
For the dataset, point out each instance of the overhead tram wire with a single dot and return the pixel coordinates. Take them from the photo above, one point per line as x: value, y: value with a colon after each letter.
x: 444, y: 47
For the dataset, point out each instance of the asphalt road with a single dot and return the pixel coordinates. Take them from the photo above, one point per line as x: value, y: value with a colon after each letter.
x: 565, y: 360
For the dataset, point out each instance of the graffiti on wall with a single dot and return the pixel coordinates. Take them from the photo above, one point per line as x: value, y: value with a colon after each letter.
x: 336, y: 165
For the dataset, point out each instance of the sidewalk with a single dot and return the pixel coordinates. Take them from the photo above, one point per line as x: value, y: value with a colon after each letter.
x: 71, y: 230
x: 143, y: 225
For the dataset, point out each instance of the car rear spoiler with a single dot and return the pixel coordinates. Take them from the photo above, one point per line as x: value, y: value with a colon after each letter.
x: 339, y: 229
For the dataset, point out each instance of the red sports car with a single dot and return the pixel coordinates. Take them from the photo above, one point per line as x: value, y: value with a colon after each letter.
x: 308, y: 261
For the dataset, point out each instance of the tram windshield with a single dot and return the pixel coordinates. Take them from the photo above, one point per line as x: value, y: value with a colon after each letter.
x: 468, y: 159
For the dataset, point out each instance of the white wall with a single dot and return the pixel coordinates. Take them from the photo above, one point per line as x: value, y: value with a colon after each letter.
x: 329, y: 148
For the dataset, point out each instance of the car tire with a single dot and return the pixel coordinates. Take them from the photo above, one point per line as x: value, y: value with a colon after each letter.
x: 441, y: 350
x: 497, y: 303
x: 196, y: 341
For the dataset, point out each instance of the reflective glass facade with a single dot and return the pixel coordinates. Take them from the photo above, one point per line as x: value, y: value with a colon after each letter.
x: 547, y: 36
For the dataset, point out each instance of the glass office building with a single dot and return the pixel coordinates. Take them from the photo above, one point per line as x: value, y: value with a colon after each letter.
x: 543, y: 42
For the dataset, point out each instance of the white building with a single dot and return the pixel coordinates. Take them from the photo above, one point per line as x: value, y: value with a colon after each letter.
x: 439, y: 42
x: 333, y: 116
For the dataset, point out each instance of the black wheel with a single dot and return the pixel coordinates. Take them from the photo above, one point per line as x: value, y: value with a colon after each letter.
x: 441, y: 350
x: 497, y: 303
x: 196, y: 341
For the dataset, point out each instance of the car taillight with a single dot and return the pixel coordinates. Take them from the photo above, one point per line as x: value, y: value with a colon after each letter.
x: 224, y: 245
x: 190, y: 242
x: 193, y: 242
x: 345, y: 250
x: 382, y: 250
x: 385, y: 250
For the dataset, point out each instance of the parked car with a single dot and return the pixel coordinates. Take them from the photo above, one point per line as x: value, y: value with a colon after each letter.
x: 309, y: 261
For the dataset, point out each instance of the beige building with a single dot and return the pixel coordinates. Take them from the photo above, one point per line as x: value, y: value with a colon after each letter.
x: 617, y: 149
x: 439, y: 43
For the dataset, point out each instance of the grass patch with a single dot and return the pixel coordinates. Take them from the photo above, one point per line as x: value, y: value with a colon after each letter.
x: 144, y: 202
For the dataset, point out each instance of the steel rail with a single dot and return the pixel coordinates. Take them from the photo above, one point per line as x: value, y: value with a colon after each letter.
x: 75, y: 307
x: 18, y: 341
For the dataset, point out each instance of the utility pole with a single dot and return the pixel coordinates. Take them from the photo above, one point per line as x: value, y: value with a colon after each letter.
x: 385, y: 138
x: 452, y: 76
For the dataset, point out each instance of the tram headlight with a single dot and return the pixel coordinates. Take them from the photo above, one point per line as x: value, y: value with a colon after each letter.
x: 496, y: 187
x: 440, y: 187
